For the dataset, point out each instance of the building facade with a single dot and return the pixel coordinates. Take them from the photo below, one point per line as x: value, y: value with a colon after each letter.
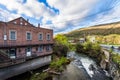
x: 20, y: 39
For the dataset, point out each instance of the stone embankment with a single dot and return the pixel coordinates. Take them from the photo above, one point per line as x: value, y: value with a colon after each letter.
x: 111, y: 67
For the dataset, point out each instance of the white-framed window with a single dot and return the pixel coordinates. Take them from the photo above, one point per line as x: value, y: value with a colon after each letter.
x: 48, y: 48
x: 28, y: 35
x: 40, y: 36
x: 48, y: 36
x: 21, y: 19
x: 13, y: 35
x: 40, y: 48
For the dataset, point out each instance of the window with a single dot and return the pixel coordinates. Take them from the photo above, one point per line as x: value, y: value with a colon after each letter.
x: 28, y: 36
x: 25, y: 23
x: 48, y: 48
x: 21, y: 23
x: 28, y: 51
x: 40, y: 37
x: 48, y: 36
x: 40, y: 49
x: 21, y: 19
x: 15, y: 22
x: 13, y: 35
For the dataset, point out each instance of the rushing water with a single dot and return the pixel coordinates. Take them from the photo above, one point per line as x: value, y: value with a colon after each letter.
x: 95, y: 73
x: 79, y: 69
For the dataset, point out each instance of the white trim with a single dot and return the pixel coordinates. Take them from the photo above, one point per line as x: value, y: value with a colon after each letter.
x: 30, y: 34
x: 10, y: 34
x: 39, y: 35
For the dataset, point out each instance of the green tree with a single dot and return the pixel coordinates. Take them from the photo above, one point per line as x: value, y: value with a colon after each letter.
x: 79, y: 48
x: 61, y: 45
x: 61, y: 39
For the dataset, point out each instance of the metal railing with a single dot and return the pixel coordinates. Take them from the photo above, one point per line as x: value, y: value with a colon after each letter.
x: 21, y: 60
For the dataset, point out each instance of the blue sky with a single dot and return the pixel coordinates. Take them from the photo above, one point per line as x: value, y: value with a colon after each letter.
x: 62, y: 15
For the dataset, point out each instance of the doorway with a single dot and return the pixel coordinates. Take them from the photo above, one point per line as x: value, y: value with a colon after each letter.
x: 12, y: 53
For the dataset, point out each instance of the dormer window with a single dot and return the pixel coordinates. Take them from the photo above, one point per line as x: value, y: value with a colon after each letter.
x: 15, y: 22
x: 20, y: 19
x: 21, y: 23
x: 25, y: 23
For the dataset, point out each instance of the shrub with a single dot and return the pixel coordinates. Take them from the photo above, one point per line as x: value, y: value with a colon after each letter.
x: 58, y: 65
x: 116, y: 58
x: 88, y: 48
x: 79, y: 48
x: 60, y: 50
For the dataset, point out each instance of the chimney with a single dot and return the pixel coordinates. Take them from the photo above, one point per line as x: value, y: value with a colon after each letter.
x: 38, y: 24
x: 27, y: 20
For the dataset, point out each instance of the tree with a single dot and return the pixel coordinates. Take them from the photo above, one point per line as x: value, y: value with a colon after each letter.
x: 61, y: 45
x: 61, y: 39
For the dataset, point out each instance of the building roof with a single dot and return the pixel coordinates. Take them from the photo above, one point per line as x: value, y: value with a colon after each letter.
x: 21, y: 19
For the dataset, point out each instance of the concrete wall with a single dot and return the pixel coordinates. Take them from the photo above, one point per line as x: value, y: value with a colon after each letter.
x: 24, y: 67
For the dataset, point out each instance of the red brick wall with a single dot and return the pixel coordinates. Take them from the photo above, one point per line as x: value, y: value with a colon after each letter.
x: 21, y: 33
x: 21, y: 37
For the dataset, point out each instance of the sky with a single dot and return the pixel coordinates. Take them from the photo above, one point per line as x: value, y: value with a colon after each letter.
x: 61, y: 15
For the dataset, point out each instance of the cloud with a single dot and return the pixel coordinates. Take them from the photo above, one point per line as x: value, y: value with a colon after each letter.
x: 31, y: 8
x: 7, y: 16
x: 112, y: 15
x: 71, y: 12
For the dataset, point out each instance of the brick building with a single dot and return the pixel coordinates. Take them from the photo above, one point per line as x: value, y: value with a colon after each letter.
x: 20, y: 39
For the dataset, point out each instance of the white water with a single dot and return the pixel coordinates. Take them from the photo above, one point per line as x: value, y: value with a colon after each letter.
x: 84, y: 60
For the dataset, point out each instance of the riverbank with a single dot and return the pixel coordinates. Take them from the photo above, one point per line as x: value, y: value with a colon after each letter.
x: 78, y: 69
x: 95, y: 74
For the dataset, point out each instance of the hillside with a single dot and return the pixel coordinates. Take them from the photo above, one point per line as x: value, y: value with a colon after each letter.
x: 103, y: 29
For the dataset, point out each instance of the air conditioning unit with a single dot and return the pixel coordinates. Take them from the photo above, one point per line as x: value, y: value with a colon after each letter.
x: 5, y: 37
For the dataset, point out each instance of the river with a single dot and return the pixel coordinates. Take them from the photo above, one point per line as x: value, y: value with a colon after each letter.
x: 78, y: 69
